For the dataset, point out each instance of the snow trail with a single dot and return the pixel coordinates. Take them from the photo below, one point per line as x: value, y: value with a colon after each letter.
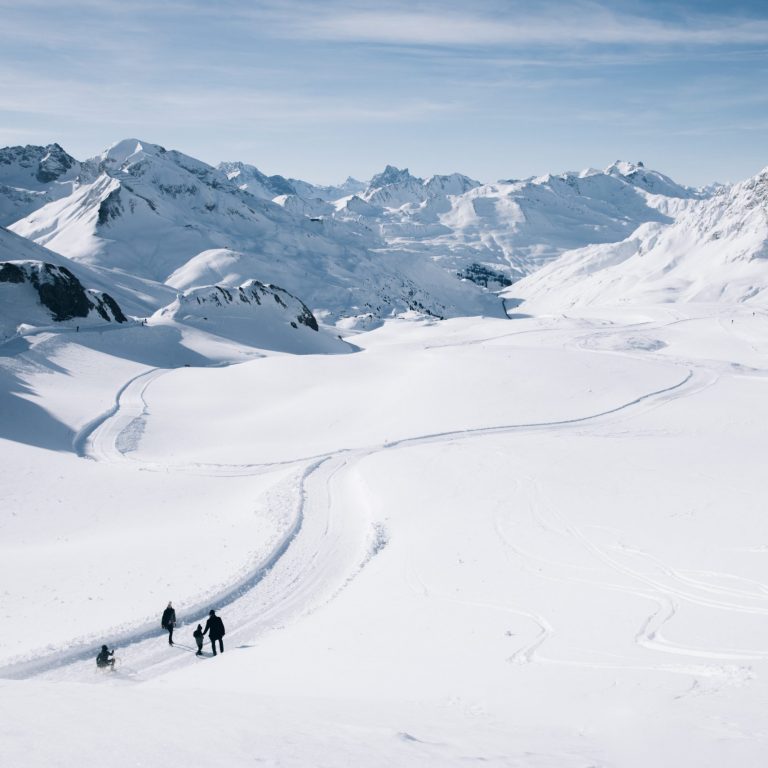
x: 327, y: 543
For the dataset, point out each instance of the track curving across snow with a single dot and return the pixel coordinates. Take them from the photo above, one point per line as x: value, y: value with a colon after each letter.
x: 328, y: 542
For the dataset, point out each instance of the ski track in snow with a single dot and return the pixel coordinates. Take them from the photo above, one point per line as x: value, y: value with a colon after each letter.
x: 328, y: 542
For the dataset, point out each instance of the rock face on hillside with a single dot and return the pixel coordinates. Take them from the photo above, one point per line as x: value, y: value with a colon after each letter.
x: 43, y: 164
x: 249, y: 296
x: 254, y: 313
x: 39, y: 293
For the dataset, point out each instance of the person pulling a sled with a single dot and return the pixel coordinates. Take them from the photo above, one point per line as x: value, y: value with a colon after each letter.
x: 216, y: 627
x: 103, y: 661
x: 169, y: 622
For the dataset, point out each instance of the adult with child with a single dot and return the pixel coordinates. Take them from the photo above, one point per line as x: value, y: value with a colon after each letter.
x: 215, y: 626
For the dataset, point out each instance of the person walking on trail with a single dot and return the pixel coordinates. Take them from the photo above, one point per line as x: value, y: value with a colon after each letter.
x: 198, y: 635
x: 216, y: 627
x: 103, y: 660
x: 169, y: 622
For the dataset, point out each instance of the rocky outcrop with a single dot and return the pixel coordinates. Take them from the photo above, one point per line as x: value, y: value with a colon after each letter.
x: 482, y: 275
x: 253, y: 293
x: 60, y: 291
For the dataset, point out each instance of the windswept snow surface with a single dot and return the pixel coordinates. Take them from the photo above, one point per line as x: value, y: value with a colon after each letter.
x: 538, y: 542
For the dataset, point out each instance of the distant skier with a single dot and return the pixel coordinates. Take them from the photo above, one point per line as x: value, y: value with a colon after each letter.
x: 198, y: 635
x: 103, y: 660
x: 216, y: 627
x: 169, y: 622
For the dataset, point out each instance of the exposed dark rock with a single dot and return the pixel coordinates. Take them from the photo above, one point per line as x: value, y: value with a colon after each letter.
x: 54, y: 164
x: 106, y: 305
x: 11, y: 273
x: 307, y: 318
x: 481, y: 275
x: 251, y: 292
x: 110, y: 207
x: 60, y: 291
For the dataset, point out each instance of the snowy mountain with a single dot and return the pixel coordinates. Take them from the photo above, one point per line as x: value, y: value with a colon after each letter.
x: 165, y: 217
x: 32, y: 176
x: 251, y: 179
x: 328, y: 193
x: 360, y: 252
x: 492, y: 234
x: 716, y: 250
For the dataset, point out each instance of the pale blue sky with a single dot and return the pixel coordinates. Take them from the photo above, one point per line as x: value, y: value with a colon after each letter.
x: 322, y: 90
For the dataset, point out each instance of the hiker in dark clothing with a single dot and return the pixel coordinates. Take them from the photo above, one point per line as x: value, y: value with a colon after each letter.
x: 198, y: 635
x: 216, y: 627
x: 103, y: 660
x: 169, y: 622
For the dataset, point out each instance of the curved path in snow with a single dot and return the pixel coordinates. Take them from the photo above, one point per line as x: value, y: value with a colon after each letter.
x: 328, y: 542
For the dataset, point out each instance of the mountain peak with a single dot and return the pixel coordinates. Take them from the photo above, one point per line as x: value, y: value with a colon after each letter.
x: 392, y: 175
x: 122, y: 151
x: 624, y: 168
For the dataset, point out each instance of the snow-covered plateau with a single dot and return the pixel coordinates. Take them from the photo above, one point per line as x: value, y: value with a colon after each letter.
x: 441, y: 529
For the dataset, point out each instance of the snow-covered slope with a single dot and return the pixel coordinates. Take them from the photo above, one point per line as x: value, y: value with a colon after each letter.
x: 32, y: 176
x: 538, y: 544
x: 249, y: 178
x: 255, y: 314
x: 133, y: 294
x: 715, y: 250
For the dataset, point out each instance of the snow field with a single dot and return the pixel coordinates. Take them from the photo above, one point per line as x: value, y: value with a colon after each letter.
x: 528, y: 543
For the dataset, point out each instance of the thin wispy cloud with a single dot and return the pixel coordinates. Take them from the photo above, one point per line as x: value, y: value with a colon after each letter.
x: 558, y: 24
x: 492, y: 88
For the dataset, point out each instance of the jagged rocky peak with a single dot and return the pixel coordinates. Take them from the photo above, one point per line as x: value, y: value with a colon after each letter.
x: 392, y: 175
x: 45, y: 164
x: 36, y: 292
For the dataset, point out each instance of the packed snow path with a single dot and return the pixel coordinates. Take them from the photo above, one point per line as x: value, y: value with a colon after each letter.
x: 329, y: 538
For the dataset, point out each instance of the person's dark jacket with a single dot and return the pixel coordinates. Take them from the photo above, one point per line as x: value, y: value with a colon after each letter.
x: 169, y: 618
x: 103, y: 658
x: 216, y: 627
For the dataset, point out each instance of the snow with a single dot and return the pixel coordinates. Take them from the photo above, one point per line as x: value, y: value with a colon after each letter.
x: 356, y: 252
x: 530, y: 542
x: 714, y: 250
x: 525, y: 535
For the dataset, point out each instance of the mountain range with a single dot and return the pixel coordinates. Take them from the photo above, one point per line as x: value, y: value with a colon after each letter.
x: 148, y: 225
